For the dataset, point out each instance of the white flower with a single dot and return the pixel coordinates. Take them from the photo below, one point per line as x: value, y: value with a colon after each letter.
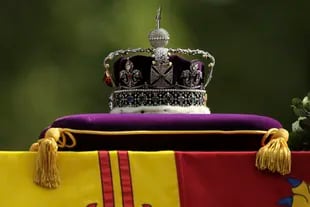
x: 296, y: 127
x: 305, y: 101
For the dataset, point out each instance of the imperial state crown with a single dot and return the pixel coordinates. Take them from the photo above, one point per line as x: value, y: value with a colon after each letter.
x: 163, y: 82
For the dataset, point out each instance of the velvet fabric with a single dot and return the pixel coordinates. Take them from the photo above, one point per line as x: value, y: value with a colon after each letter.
x: 121, y: 122
x: 160, y: 122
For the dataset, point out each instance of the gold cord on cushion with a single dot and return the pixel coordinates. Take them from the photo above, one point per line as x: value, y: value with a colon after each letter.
x: 46, y: 170
x: 274, y: 156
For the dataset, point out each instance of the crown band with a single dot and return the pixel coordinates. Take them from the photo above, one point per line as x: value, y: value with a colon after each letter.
x: 157, y: 97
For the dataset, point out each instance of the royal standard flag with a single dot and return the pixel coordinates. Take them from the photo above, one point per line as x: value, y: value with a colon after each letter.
x: 151, y: 179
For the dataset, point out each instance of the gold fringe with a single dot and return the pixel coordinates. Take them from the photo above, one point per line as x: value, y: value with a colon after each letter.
x: 275, y: 156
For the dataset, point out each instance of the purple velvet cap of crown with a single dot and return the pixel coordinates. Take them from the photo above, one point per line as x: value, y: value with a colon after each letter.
x: 144, y: 63
x: 160, y: 122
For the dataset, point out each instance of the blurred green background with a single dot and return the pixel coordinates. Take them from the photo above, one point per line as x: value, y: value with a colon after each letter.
x: 51, y: 54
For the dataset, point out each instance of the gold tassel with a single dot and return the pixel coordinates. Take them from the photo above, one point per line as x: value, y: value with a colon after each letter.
x: 275, y: 156
x: 46, y: 170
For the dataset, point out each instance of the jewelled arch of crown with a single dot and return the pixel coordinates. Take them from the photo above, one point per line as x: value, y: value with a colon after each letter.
x: 160, y: 94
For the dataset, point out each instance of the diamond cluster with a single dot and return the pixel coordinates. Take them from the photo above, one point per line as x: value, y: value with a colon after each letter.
x: 155, y: 97
x: 162, y: 83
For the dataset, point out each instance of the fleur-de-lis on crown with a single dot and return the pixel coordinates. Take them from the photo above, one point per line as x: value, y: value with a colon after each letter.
x: 129, y: 76
x: 158, y: 39
x: 160, y: 80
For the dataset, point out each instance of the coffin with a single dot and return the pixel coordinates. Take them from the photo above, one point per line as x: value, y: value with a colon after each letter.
x: 106, y: 160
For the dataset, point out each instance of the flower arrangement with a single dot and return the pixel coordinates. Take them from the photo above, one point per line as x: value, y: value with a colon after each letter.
x: 300, y: 134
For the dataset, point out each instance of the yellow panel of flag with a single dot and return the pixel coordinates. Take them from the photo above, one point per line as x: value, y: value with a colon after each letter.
x: 92, y: 179
x: 80, y: 181
x: 159, y: 186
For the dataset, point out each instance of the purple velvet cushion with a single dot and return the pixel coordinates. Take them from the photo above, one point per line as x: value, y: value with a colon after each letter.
x: 167, y: 122
x: 128, y: 122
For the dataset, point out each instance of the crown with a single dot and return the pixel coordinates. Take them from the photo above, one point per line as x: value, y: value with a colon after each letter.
x: 161, y: 82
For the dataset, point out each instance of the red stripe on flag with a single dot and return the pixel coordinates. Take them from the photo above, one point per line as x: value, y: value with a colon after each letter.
x: 126, y: 184
x: 106, y: 179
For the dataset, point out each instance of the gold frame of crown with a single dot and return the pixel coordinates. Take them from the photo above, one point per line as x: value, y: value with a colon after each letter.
x: 161, y: 94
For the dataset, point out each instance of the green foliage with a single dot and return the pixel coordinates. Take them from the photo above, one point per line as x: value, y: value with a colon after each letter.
x: 51, y: 55
x: 299, y: 140
x: 300, y: 135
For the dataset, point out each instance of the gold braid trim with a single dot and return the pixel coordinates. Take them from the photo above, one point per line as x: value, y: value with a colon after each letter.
x: 274, y: 156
